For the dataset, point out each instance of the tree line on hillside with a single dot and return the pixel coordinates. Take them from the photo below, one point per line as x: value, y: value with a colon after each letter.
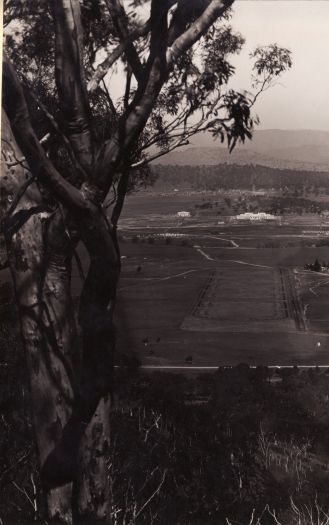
x: 232, y: 176
x: 276, y: 205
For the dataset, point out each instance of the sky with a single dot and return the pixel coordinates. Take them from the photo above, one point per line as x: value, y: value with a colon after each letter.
x: 301, y: 99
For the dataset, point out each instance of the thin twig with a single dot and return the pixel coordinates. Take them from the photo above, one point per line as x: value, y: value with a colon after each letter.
x: 25, y: 456
x: 143, y: 162
x: 23, y: 491
x: 35, y: 503
x: 152, y: 495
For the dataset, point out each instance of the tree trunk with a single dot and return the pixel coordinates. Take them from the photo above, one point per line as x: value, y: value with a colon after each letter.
x: 64, y: 406
x: 41, y: 276
x: 93, y: 499
x: 96, y: 310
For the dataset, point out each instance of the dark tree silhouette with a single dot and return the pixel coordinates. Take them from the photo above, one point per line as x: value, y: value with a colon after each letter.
x: 70, y: 154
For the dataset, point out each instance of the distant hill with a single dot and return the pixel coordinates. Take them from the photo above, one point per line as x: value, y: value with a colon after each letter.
x: 276, y: 139
x: 233, y: 176
x: 283, y: 149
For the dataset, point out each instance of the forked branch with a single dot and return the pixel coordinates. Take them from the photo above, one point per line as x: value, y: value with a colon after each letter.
x: 16, y: 107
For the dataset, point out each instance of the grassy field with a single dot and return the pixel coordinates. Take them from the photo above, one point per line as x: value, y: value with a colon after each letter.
x: 159, y: 290
x: 314, y: 290
x: 196, y: 293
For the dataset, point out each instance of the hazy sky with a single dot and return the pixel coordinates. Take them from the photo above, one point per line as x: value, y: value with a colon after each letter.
x: 301, y: 101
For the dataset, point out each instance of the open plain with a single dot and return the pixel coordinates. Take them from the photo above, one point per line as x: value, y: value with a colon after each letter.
x: 199, y: 292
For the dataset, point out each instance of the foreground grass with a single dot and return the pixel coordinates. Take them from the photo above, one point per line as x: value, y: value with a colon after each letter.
x: 241, y: 446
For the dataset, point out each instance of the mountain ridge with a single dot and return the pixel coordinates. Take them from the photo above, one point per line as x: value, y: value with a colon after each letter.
x: 283, y: 149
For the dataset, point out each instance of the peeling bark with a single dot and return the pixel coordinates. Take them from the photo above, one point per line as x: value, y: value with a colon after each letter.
x: 70, y: 79
x: 41, y: 310
x: 48, y: 304
x: 93, y: 489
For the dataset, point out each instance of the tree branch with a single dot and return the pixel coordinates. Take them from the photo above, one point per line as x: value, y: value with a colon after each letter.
x: 121, y: 194
x: 127, y: 88
x: 133, y: 121
x: 185, y: 41
x: 119, y: 18
x: 70, y: 79
x: 180, y: 142
x: 34, y: 153
x: 167, y: 129
x: 65, y: 140
x: 186, y: 12
x: 103, y: 68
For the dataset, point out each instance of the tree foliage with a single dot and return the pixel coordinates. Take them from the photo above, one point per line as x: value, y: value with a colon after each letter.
x: 195, y: 96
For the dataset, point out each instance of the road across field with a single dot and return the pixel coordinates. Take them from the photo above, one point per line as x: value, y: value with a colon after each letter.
x: 161, y: 285
x: 162, y: 281
x: 258, y: 305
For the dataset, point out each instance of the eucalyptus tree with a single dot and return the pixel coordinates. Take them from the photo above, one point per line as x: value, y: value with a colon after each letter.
x: 71, y: 149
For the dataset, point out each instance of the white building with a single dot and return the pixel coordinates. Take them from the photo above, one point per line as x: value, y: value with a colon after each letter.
x: 183, y: 214
x: 260, y: 216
